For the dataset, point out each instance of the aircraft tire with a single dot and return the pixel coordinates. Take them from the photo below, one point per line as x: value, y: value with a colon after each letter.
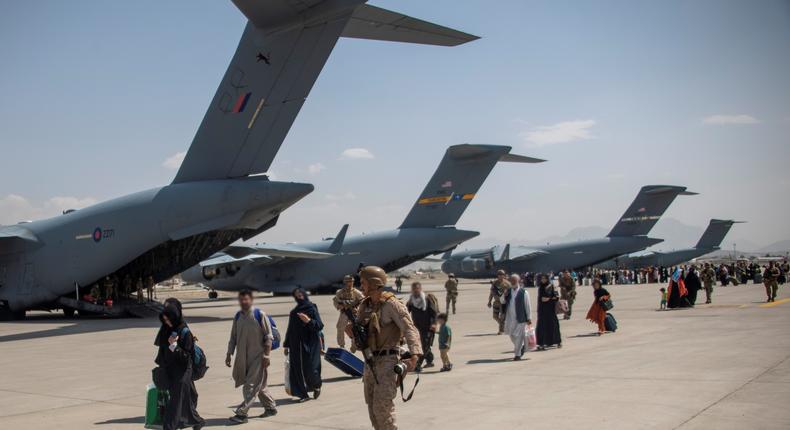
x: 69, y: 312
x: 213, y: 294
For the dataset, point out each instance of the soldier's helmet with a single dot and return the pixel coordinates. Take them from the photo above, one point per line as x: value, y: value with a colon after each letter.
x: 348, y: 278
x: 375, y: 276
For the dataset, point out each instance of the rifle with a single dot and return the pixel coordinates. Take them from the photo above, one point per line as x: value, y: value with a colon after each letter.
x: 361, y: 335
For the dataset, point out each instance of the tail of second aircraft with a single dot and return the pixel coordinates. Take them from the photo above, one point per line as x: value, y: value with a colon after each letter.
x: 645, y: 211
x: 714, y: 234
x: 459, y: 176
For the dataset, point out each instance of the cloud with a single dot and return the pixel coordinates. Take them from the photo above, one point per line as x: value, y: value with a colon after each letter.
x: 338, y: 197
x: 356, y: 154
x: 15, y: 208
x: 730, y: 120
x: 315, y: 168
x: 561, y: 132
x: 174, y: 161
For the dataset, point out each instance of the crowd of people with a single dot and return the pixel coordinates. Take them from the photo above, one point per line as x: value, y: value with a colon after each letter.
x: 403, y: 334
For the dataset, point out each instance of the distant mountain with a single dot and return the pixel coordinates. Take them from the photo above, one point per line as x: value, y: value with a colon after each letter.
x: 777, y: 247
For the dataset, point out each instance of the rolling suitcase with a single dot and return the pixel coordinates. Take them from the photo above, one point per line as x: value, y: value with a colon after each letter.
x: 610, y: 323
x: 155, y: 400
x: 347, y: 362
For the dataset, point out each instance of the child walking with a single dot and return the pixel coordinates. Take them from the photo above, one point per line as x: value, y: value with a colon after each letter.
x: 663, y: 299
x: 445, y: 339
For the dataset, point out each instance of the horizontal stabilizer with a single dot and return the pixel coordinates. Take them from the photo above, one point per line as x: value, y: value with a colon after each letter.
x: 371, y: 22
x: 645, y: 211
x: 459, y: 176
x: 715, y: 233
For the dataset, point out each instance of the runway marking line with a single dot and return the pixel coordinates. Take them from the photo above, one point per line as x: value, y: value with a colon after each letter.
x: 776, y: 303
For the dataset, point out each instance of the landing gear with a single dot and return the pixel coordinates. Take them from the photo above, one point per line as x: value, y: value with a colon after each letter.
x: 9, y: 315
x: 213, y: 294
x: 69, y: 312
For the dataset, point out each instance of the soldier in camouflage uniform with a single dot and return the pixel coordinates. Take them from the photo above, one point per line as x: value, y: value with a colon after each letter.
x: 346, y: 298
x: 108, y: 286
x: 498, y: 288
x: 568, y: 292
x: 451, y: 286
x: 388, y: 322
x: 771, y: 281
x: 708, y: 277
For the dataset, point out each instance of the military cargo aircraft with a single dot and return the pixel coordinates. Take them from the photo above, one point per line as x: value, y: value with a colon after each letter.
x: 219, y: 194
x: 428, y: 229
x: 709, y: 242
x: 630, y: 233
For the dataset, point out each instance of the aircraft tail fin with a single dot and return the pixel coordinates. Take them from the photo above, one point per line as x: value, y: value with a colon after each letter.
x: 337, y: 242
x: 505, y: 254
x: 645, y: 211
x: 279, y: 57
x: 459, y: 176
x: 714, y: 234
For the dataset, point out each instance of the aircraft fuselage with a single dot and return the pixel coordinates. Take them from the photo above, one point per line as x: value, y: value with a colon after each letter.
x: 391, y: 250
x: 158, y: 232
x: 554, y: 258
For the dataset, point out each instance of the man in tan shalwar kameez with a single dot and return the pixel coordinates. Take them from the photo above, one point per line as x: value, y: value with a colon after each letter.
x: 251, y: 339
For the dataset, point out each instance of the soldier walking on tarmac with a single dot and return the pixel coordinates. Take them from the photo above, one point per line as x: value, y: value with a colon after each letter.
x: 498, y: 288
x: 451, y: 286
x: 708, y: 277
x: 771, y: 281
x: 387, y: 322
x: 346, y: 298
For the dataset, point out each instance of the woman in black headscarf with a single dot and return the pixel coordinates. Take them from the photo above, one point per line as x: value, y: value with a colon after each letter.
x: 548, y: 329
x: 303, y: 346
x: 693, y: 285
x: 176, y: 347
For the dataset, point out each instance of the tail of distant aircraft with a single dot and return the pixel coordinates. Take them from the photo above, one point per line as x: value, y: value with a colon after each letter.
x: 459, y: 176
x: 651, y: 202
x: 281, y: 53
x: 714, y: 234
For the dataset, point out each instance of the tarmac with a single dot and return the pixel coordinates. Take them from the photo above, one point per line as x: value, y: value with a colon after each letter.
x: 719, y: 366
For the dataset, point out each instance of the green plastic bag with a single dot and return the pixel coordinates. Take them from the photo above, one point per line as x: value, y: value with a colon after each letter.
x: 155, y: 400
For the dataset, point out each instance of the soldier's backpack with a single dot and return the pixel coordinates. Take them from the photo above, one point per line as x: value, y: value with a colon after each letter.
x: 199, y: 362
x: 276, y: 339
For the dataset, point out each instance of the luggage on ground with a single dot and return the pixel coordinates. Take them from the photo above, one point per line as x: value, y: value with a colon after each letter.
x: 610, y: 323
x: 155, y: 400
x: 347, y: 362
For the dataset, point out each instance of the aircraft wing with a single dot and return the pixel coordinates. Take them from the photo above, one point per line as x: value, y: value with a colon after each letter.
x: 281, y: 251
x: 14, y: 238
x: 523, y: 254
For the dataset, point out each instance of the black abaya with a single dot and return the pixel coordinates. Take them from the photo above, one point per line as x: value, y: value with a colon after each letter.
x: 303, y: 341
x: 181, y: 409
x: 548, y: 329
x: 693, y: 285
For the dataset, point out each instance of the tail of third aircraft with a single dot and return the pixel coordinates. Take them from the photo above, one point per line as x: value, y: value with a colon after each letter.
x: 714, y: 234
x: 651, y: 202
x: 459, y: 176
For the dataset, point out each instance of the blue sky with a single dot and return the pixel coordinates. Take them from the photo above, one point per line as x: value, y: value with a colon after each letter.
x: 98, y: 95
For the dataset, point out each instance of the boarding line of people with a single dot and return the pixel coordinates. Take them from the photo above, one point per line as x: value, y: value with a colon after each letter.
x: 511, y: 310
x: 388, y: 323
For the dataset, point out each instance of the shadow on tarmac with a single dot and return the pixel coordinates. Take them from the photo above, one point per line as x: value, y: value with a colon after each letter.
x: 490, y: 360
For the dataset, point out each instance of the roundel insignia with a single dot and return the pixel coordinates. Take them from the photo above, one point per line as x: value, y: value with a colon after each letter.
x: 97, y: 235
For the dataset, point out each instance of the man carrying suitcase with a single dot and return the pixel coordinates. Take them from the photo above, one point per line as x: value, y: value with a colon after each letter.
x: 251, y: 339
x: 346, y: 298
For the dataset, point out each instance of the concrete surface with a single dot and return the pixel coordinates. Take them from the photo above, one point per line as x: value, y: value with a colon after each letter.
x: 720, y: 366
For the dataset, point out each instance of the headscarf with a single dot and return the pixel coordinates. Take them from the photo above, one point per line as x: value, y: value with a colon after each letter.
x: 172, y: 310
x: 418, y: 301
x: 304, y: 304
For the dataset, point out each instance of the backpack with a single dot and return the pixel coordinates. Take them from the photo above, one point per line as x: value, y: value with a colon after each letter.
x: 276, y: 339
x: 199, y: 362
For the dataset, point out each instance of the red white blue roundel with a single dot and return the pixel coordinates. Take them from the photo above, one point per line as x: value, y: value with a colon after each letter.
x: 97, y: 234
